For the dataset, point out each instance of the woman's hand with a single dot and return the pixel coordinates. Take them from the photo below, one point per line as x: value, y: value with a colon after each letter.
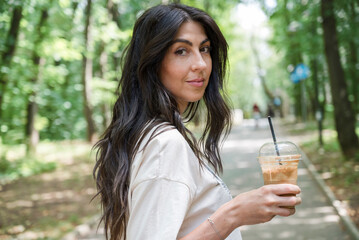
x: 253, y: 207
x: 262, y: 204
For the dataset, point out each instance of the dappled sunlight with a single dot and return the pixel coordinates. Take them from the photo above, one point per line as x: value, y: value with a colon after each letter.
x: 64, y: 151
x: 19, y: 203
x: 242, y: 164
x: 304, y: 184
x: 63, y: 176
x: 286, y: 234
x: 60, y: 195
x: 32, y: 235
x: 242, y: 180
x: 306, y: 220
x: 308, y: 211
x: 49, y: 197
x: 67, y: 173
x: 295, y: 227
x: 235, y: 144
x: 60, y: 199
x: 302, y: 171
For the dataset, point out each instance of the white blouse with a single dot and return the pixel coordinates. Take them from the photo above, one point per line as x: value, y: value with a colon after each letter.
x: 170, y: 194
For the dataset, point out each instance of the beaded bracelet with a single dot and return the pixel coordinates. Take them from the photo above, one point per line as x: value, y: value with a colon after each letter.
x: 213, y: 226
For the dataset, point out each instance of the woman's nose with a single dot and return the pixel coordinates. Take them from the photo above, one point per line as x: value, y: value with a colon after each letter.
x: 198, y: 62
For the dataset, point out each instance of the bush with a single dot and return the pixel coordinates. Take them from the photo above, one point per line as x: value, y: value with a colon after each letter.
x: 4, y: 165
x: 23, y: 167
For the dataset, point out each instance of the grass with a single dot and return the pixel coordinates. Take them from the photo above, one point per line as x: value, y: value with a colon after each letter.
x: 15, y: 163
x: 46, y: 203
x: 23, y: 167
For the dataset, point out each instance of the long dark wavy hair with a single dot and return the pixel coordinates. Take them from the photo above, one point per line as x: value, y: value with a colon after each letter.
x: 143, y: 102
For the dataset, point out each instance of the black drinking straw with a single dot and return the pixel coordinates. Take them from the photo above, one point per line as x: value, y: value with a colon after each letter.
x: 273, y: 135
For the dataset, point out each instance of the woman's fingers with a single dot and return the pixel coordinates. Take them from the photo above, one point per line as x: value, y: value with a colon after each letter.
x: 285, y: 212
x: 281, y: 198
x: 289, y: 201
x: 261, y: 205
x: 282, y: 189
x: 282, y: 206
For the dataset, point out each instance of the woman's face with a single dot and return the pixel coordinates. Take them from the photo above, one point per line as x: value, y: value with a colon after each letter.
x: 187, y: 64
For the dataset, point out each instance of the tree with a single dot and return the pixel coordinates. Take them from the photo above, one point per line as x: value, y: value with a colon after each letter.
x: 87, y: 74
x: 31, y: 133
x: 315, y: 61
x: 288, y: 37
x: 343, y: 113
x: 353, y: 55
x: 261, y: 74
x: 10, y: 45
x: 112, y: 9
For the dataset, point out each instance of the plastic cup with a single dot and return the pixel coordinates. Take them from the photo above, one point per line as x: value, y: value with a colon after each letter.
x: 282, y: 168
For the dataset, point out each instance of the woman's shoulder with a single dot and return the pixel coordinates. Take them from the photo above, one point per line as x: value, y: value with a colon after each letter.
x: 168, y: 135
x: 162, y: 135
x: 164, y: 153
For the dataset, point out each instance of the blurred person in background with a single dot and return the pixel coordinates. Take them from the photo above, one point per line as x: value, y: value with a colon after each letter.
x: 256, y: 114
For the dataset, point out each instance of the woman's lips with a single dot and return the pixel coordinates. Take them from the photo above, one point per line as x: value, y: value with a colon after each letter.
x: 196, y: 82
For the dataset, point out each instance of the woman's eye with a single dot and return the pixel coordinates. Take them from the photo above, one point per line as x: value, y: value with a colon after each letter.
x: 206, y: 49
x: 181, y: 52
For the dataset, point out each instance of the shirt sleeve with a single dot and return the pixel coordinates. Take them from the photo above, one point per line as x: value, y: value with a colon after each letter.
x: 159, y: 207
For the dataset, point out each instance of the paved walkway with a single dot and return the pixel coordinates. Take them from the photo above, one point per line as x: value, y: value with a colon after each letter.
x: 315, y: 218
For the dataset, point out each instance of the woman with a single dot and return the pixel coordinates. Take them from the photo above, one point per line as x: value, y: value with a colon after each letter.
x: 152, y: 175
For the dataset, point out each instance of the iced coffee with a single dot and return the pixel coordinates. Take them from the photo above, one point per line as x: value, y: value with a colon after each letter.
x: 279, y: 163
x: 278, y: 170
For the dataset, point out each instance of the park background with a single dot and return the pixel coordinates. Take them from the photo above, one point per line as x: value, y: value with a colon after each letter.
x: 59, y: 65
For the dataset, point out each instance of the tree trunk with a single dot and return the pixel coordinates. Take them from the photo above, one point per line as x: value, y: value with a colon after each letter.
x: 314, y: 59
x: 31, y: 134
x: 106, y: 114
x: 343, y: 113
x: 9, y: 50
x: 112, y: 9
x: 353, y: 58
x: 260, y: 71
x: 318, y: 111
x: 263, y: 80
x: 87, y: 74
x: 294, y: 57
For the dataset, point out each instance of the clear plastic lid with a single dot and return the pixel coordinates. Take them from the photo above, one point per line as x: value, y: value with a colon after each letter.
x: 280, y: 149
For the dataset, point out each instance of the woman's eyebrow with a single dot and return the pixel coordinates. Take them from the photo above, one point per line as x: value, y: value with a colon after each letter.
x: 204, y: 41
x: 188, y: 42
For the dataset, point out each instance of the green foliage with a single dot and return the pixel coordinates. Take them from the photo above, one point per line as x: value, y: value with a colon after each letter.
x: 23, y: 167
x: 4, y: 164
x: 51, y: 155
x: 74, y: 219
x: 59, y: 91
x: 331, y: 144
x: 296, y: 36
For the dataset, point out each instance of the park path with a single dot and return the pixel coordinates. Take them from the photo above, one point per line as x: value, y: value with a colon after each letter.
x: 315, y: 218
